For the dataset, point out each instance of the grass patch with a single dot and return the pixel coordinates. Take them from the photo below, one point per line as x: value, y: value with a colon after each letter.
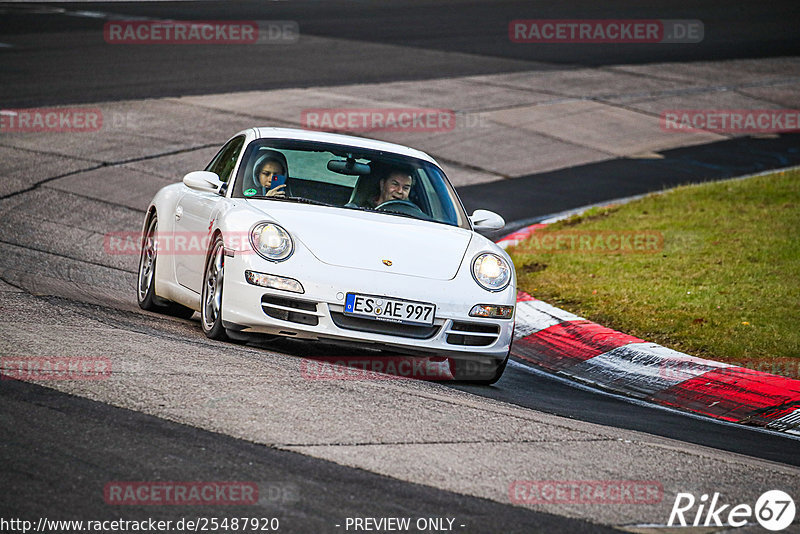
x: 724, y: 284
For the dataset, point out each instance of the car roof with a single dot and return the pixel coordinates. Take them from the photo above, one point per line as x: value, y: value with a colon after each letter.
x: 340, y: 139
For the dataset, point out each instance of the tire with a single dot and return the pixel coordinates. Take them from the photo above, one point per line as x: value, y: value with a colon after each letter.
x: 476, y: 369
x: 145, y: 280
x: 211, y: 296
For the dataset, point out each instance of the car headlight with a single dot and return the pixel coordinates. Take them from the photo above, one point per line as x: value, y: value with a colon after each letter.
x: 271, y: 242
x: 491, y: 272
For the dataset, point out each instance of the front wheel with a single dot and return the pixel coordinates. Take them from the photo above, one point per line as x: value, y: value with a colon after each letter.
x: 211, y: 297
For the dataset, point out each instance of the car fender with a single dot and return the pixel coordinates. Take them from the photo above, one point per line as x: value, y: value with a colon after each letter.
x: 163, y: 205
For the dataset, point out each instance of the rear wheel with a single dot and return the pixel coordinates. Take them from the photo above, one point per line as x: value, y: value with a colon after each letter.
x: 145, y: 282
x: 211, y: 297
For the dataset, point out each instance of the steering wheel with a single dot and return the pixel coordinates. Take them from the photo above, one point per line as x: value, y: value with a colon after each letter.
x: 406, y: 207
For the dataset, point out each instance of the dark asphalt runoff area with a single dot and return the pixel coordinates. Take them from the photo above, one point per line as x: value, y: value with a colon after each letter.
x: 58, y: 451
x: 547, y: 193
x: 68, y: 62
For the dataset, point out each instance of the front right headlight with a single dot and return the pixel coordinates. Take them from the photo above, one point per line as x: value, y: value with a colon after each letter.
x: 271, y: 242
x: 491, y: 272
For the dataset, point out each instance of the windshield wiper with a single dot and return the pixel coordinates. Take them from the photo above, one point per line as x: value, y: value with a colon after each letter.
x: 424, y: 217
x: 390, y: 212
x: 301, y: 200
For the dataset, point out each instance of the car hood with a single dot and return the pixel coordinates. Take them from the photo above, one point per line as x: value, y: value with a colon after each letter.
x: 368, y: 240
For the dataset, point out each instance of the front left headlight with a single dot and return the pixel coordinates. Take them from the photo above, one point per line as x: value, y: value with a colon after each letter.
x: 491, y: 272
x: 271, y: 242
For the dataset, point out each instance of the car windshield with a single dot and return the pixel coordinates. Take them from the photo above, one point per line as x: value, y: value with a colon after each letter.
x: 349, y: 178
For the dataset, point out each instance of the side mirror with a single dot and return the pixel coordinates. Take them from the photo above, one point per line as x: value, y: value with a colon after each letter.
x: 203, y: 181
x: 486, y: 221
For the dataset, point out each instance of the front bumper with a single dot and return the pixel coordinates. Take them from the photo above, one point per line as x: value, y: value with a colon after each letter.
x: 317, y: 314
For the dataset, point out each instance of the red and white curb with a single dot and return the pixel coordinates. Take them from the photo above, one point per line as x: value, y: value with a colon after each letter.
x: 572, y: 346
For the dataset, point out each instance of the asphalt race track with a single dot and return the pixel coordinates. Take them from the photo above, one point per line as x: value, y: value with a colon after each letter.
x: 180, y: 407
x: 407, y: 41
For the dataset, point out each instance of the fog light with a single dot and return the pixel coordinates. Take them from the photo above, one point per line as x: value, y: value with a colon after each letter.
x: 273, y: 282
x: 490, y: 310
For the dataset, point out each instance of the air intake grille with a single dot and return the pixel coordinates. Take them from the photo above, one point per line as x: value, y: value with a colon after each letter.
x: 383, y: 327
x: 472, y: 334
x: 291, y: 310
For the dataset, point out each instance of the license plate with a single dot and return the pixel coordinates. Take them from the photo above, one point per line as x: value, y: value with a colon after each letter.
x: 389, y: 309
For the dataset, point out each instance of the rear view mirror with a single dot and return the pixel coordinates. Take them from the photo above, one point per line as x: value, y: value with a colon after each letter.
x: 349, y: 167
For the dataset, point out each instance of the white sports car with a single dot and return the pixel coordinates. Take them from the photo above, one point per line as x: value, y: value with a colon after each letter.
x: 330, y: 237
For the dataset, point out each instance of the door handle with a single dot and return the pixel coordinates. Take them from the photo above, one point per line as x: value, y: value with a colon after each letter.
x: 178, y: 213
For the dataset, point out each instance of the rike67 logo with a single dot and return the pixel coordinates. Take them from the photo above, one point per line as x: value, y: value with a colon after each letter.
x: 774, y: 510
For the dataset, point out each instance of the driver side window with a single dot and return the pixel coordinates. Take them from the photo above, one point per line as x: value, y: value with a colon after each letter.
x: 223, y: 163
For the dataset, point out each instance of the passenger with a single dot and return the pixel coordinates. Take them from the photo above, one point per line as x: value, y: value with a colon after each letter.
x: 266, y: 168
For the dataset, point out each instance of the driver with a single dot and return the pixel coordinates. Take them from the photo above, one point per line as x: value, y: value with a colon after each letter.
x: 396, y: 185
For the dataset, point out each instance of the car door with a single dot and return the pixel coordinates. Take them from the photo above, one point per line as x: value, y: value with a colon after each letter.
x: 193, y: 215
